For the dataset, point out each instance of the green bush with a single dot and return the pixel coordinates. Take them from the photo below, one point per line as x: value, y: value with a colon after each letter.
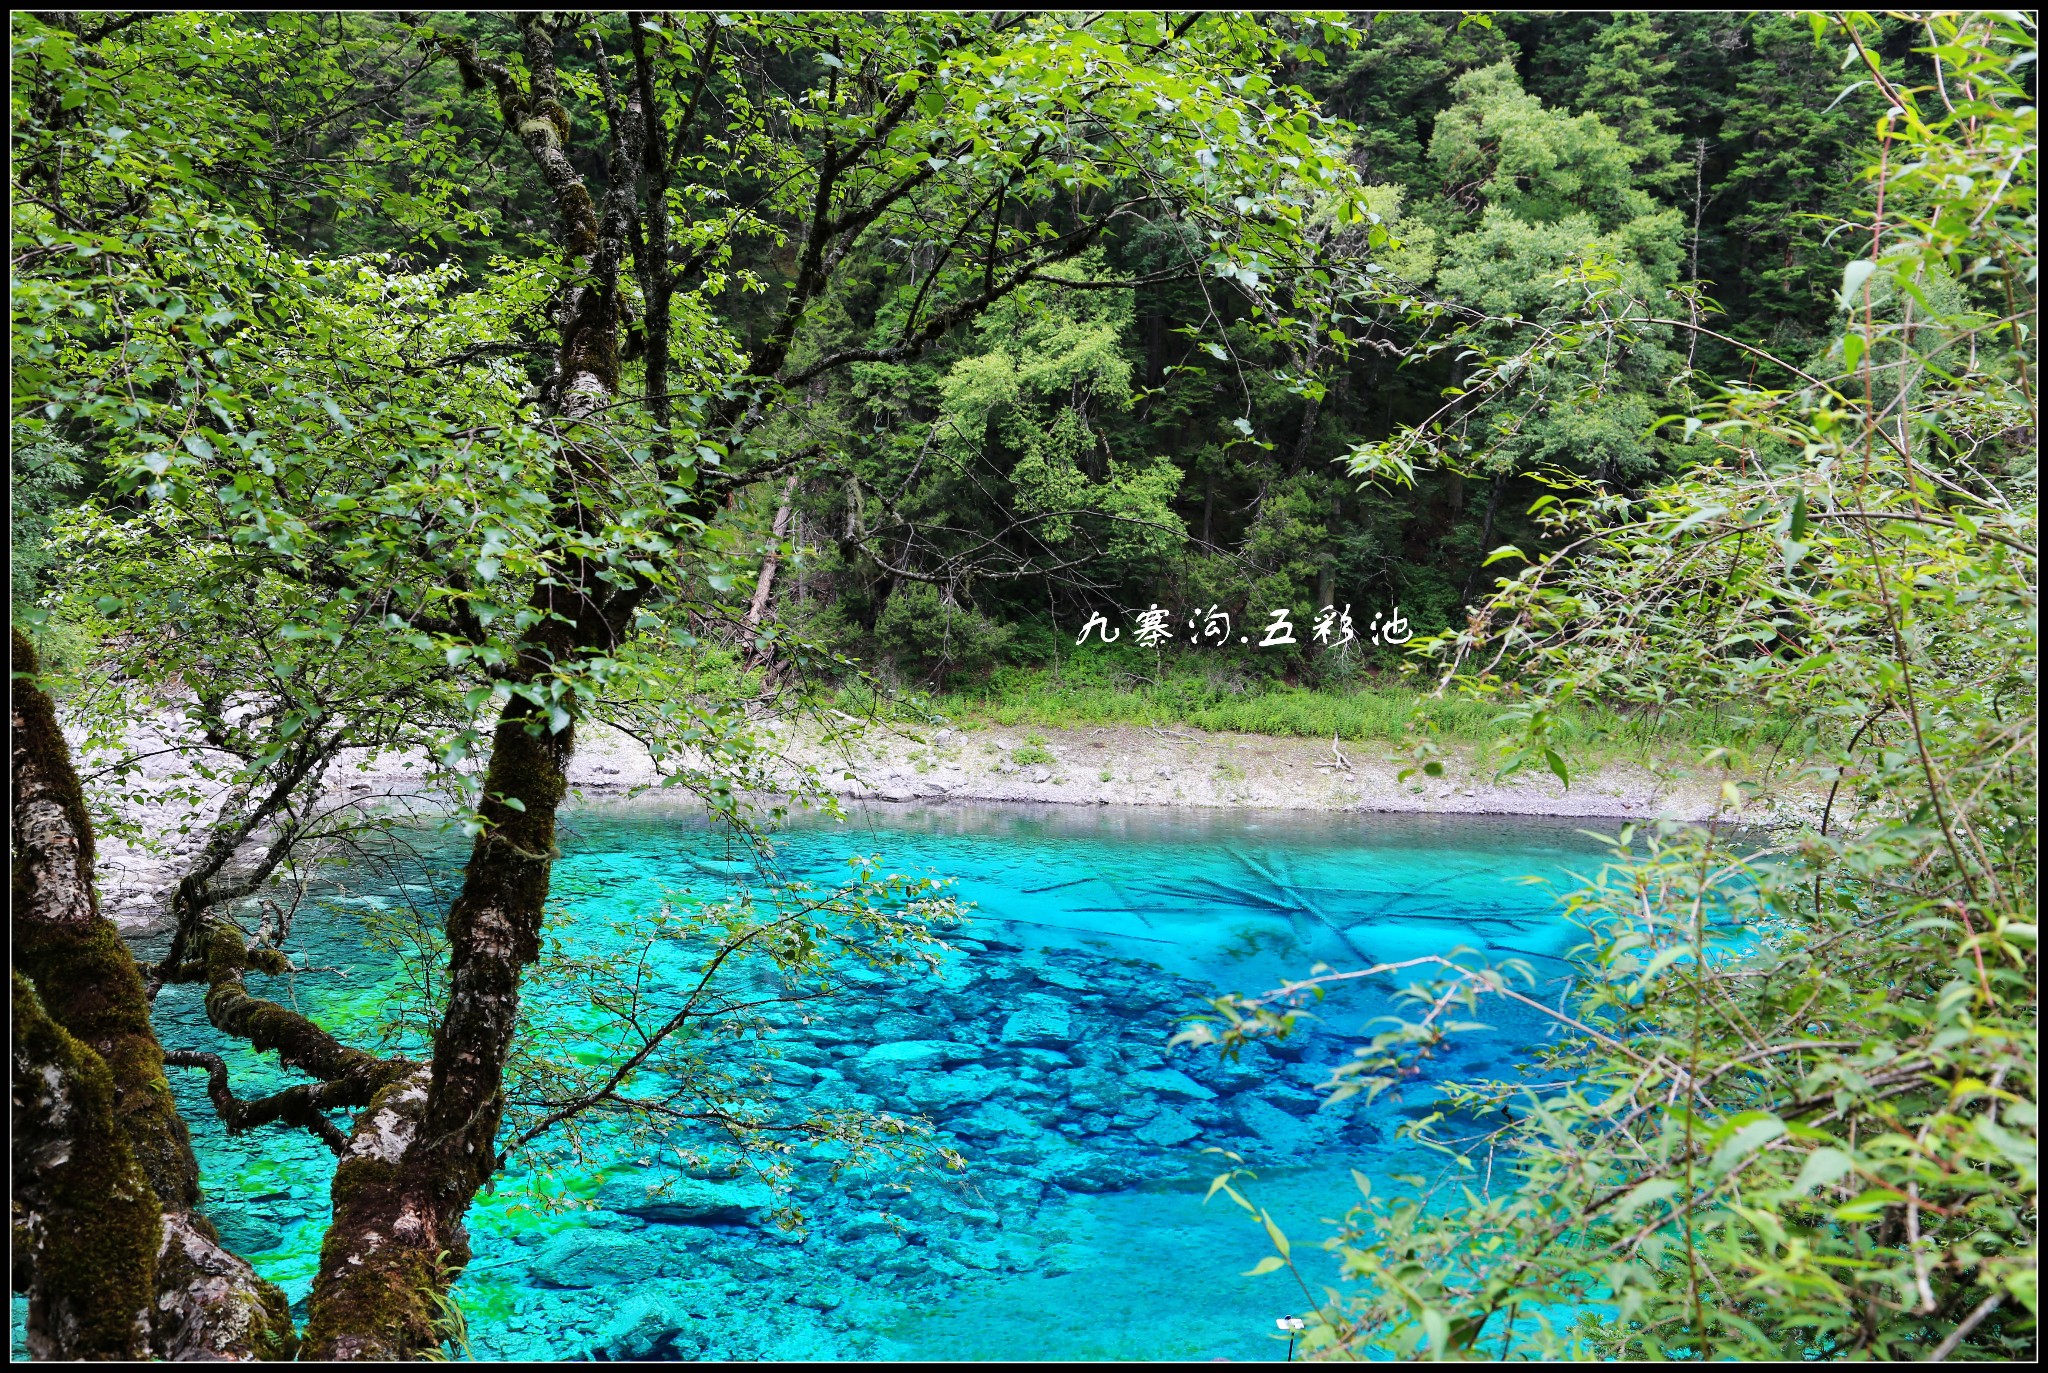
x: 1790, y: 1111
x: 935, y: 639
x: 1103, y: 693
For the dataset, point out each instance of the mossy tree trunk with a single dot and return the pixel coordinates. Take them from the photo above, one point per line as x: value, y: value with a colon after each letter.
x: 418, y: 1156
x: 428, y: 1142
x: 85, y: 1221
x: 106, y: 1181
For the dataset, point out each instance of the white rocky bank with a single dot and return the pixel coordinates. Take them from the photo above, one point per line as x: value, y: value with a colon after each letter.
x: 1120, y: 765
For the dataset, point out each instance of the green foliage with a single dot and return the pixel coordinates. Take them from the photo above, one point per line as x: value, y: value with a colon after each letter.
x: 1074, y: 446
x: 1170, y: 444
x: 45, y: 476
x: 1119, y: 313
x: 1801, y: 148
x: 1628, y: 83
x: 1791, y: 1111
x: 1498, y: 145
x: 922, y: 632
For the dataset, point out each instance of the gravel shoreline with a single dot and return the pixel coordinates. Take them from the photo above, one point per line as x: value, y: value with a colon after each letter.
x: 1104, y: 766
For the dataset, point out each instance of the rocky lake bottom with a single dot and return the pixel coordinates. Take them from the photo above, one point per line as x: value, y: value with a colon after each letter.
x: 1038, y: 1050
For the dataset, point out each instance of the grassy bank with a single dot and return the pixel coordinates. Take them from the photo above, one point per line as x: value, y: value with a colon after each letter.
x: 1384, y: 711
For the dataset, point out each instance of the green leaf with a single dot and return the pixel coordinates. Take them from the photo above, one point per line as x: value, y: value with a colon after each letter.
x: 1822, y: 1167
x: 1557, y: 766
x: 2016, y: 1150
x: 1269, y: 1264
x: 1273, y: 1231
x: 1664, y: 959
x: 1643, y: 1194
x: 1853, y: 277
x: 1867, y: 1205
x: 1853, y: 347
x: 1744, y: 1142
x: 1797, y: 525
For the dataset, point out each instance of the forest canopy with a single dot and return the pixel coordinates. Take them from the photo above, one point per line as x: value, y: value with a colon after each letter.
x: 1011, y: 470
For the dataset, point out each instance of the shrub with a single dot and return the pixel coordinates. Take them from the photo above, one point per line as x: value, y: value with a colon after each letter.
x: 1792, y: 1111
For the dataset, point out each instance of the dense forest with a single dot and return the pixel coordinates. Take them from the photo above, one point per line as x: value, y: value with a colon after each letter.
x: 1176, y: 440
x: 457, y: 384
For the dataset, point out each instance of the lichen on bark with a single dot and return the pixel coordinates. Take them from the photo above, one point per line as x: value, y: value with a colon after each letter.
x: 86, y: 977
x: 373, y: 1297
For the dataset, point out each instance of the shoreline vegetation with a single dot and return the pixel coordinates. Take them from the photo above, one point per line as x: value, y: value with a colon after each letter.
x: 1387, y: 710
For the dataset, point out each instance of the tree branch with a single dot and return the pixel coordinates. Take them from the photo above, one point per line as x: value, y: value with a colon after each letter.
x: 300, y: 1105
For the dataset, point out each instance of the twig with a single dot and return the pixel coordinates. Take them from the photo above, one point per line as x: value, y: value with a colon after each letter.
x: 1970, y: 1322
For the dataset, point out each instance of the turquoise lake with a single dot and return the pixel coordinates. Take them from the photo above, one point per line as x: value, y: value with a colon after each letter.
x: 1039, y: 1051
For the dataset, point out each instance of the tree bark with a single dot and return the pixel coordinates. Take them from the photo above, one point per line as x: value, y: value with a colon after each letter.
x: 85, y: 1221
x: 1310, y: 410
x: 428, y: 1141
x: 764, y: 588
x: 1485, y: 533
x: 417, y: 1157
x: 106, y: 1180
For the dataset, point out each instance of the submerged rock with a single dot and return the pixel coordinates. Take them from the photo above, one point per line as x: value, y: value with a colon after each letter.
x: 942, y: 1093
x: 992, y: 1120
x: 884, y: 1063
x: 1093, y: 1090
x: 1170, y: 1083
x: 1087, y: 1170
x: 1039, y: 1020
x: 1281, y: 1134
x: 595, y: 1258
x: 1044, y: 970
x: 899, y: 1025
x: 245, y: 1233
x: 1236, y: 1075
x: 673, y: 1199
x: 1167, y: 1129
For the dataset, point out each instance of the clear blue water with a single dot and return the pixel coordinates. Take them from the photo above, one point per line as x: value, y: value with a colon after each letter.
x: 1078, y: 1229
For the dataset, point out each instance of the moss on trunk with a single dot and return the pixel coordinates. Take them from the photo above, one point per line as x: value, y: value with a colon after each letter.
x: 381, y: 1266
x: 85, y: 1222
x: 89, y: 982
x: 298, y: 1042
x: 104, y: 1210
